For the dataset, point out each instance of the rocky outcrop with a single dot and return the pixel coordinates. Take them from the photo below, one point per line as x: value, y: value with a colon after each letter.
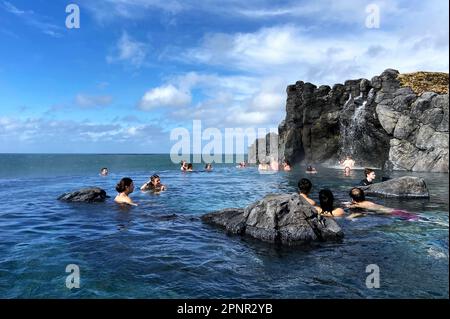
x: 377, y: 122
x: 403, y: 187
x: 87, y: 195
x: 286, y: 219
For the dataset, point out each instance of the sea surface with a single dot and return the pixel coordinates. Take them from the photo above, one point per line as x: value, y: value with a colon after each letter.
x: 161, y: 249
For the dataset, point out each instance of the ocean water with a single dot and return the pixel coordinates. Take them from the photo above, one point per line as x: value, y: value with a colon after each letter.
x: 161, y: 249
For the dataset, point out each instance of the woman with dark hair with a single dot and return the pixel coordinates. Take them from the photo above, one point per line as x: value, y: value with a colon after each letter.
x: 326, y: 208
x: 154, y: 184
x: 125, y: 187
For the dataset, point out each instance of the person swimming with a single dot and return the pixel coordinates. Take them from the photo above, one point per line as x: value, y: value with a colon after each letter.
x: 359, y: 201
x: 242, y: 165
x: 208, y: 167
x: 286, y: 165
x: 326, y: 207
x: 347, y: 171
x: 311, y: 170
x: 154, y: 184
x: 263, y: 166
x: 104, y: 171
x: 370, y: 177
x: 125, y: 187
x: 190, y: 168
x: 183, y: 166
x: 304, y: 187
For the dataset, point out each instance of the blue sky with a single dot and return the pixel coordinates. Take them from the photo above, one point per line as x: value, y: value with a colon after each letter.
x: 135, y: 69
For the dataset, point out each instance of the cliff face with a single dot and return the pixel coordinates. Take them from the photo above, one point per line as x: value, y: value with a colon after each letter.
x: 390, y: 120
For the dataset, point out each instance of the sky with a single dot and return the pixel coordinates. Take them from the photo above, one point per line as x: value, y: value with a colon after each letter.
x: 135, y: 70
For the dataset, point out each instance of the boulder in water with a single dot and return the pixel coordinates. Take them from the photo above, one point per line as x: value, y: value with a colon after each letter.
x: 403, y: 187
x: 286, y: 219
x: 88, y: 195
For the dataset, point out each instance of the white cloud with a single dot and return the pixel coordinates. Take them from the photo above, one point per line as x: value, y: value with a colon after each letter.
x: 233, y: 100
x: 130, y: 51
x: 293, y: 53
x: 84, y: 100
x: 78, y: 136
x: 164, y: 96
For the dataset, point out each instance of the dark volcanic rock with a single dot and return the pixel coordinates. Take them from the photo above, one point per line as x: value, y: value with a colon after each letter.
x: 406, y: 186
x: 375, y: 121
x: 286, y: 219
x: 88, y: 195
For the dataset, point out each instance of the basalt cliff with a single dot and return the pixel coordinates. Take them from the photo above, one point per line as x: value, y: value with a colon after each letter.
x: 396, y: 121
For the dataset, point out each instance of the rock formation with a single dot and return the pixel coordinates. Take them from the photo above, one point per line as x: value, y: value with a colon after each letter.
x: 393, y: 119
x: 287, y: 219
x: 88, y: 195
x: 403, y: 187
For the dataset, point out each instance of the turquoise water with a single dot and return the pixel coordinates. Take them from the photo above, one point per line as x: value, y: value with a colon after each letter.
x: 161, y: 249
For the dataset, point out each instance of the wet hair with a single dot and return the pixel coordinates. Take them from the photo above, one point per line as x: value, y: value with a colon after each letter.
x: 287, y: 162
x: 123, y: 184
x: 190, y: 166
x: 208, y: 165
x: 357, y: 194
x: 305, y: 186
x: 326, y: 200
x: 153, y: 177
x: 367, y: 171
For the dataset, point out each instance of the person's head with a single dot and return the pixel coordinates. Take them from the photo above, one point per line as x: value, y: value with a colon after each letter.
x: 155, y: 180
x: 304, y: 185
x: 357, y: 194
x: 189, y: 166
x: 370, y: 174
x: 104, y: 171
x: 347, y: 170
x: 208, y: 166
x: 125, y: 186
x: 326, y: 200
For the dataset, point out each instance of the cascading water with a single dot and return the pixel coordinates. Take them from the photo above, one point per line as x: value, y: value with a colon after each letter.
x: 352, y: 126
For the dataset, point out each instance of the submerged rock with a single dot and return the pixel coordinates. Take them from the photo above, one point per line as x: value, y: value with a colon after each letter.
x: 406, y: 186
x: 286, y: 219
x: 89, y: 195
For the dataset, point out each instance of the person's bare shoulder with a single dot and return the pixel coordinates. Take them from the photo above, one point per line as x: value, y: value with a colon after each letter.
x: 338, y: 212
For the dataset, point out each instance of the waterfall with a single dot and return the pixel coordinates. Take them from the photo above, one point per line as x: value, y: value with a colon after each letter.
x: 352, y: 129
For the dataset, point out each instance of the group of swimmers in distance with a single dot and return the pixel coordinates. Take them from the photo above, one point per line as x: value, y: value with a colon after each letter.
x: 272, y: 165
x: 188, y: 167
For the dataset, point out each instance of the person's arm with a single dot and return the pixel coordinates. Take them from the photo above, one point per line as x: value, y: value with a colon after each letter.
x: 145, y: 186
